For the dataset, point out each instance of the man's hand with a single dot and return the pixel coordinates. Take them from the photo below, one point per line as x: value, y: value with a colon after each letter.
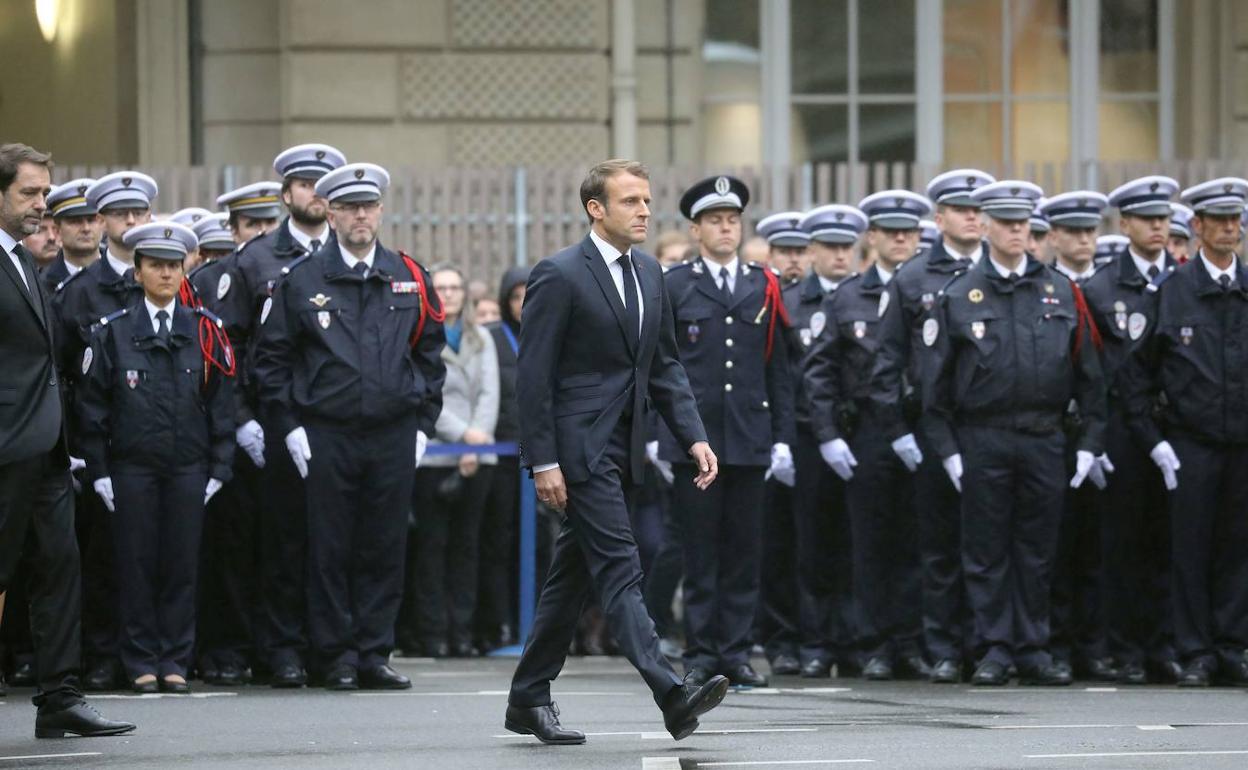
x: 708, y: 464
x: 300, y: 450
x: 422, y: 443
x: 250, y: 438
x: 840, y: 459
x: 1085, y: 461
x: 551, y: 488
x: 907, y: 450
x: 214, y: 486
x: 474, y: 436
x: 468, y: 465
x: 782, y: 469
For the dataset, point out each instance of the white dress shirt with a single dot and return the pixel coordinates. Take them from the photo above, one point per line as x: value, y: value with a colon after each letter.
x: 611, y: 255
x: 974, y: 254
x: 305, y: 240
x: 1216, y: 272
x: 885, y: 275
x: 1071, y: 274
x: 1006, y: 272
x: 350, y: 259
x: 1143, y: 264
x: 827, y: 284
x: 9, y: 245
x: 118, y: 266
x: 728, y: 272
x: 152, y: 310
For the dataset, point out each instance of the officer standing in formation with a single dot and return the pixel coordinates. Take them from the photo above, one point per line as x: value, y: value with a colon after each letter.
x: 852, y: 443
x: 730, y: 329
x: 79, y: 229
x: 349, y: 375
x: 156, y: 427
x: 1011, y: 347
x: 1180, y: 243
x: 1135, y: 520
x: 1185, y: 387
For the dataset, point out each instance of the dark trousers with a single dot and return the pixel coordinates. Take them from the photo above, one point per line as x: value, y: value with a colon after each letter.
x: 359, y: 493
x: 721, y: 530
x: 885, y: 549
x: 1209, y: 531
x: 825, y: 597
x: 1077, y: 619
x: 938, y: 509
x: 156, y: 535
x: 596, y: 552
x: 776, y: 620
x: 37, y: 539
x: 499, y: 563
x: 16, y: 645
x: 100, y: 601
x: 666, y: 570
x: 228, y: 581
x: 444, y: 581
x: 1012, y: 487
x: 1135, y: 542
x: 283, y: 513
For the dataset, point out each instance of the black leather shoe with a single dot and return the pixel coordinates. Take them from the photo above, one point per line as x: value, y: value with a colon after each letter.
x: 1232, y: 672
x: 543, y: 723
x: 946, y: 671
x: 1132, y: 673
x: 1097, y: 669
x: 685, y: 703
x: 744, y: 675
x: 878, y: 670
x: 817, y: 668
x: 1055, y: 674
x: 23, y: 674
x: 698, y: 676
x: 913, y: 667
x: 174, y: 687
x: 848, y: 668
x: 383, y: 678
x: 1166, y: 671
x: 102, y: 677
x: 1196, y: 675
x: 342, y: 678
x: 80, y: 719
x: 228, y: 675
x: 785, y: 665
x: 145, y: 688
x: 989, y: 674
x: 288, y: 675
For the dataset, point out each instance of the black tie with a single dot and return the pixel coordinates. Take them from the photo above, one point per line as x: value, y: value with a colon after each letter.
x: 22, y: 256
x: 361, y: 269
x: 315, y: 246
x: 1225, y: 281
x: 162, y: 317
x: 1153, y: 272
x: 723, y: 286
x: 630, y: 296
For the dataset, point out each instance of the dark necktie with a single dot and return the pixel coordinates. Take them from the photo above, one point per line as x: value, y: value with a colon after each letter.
x: 361, y: 269
x: 315, y: 246
x: 1153, y: 272
x: 723, y: 286
x: 630, y: 296
x: 162, y: 317
x: 23, y: 256
x: 1224, y: 281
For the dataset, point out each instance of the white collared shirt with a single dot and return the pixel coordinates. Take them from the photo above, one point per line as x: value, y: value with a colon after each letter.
x: 884, y: 274
x: 351, y: 261
x: 611, y: 255
x: 1071, y: 274
x: 718, y: 270
x: 1216, y: 272
x: 118, y: 266
x: 1143, y: 264
x: 9, y: 245
x: 305, y: 240
x: 152, y: 310
x: 71, y: 269
x: 1006, y: 272
x: 827, y: 284
x: 974, y: 256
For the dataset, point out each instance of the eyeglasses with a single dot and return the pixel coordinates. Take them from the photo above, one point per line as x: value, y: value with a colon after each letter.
x: 366, y: 206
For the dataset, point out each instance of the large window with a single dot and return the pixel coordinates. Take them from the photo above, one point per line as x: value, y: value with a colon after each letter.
x: 731, y: 59
x: 1129, y: 104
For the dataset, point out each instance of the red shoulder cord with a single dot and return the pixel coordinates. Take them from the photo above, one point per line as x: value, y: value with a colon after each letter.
x: 1084, y: 319
x: 426, y: 309
x: 210, y: 335
x: 773, y: 297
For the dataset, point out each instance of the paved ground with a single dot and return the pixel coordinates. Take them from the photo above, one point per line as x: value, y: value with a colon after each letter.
x: 453, y: 716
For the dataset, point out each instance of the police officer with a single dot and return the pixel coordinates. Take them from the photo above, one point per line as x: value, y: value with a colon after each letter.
x: 825, y: 600
x: 1038, y: 242
x: 1078, y: 626
x: 1109, y: 247
x: 730, y: 324
x: 776, y: 623
x: 1186, y: 385
x: 929, y: 233
x: 79, y: 229
x: 879, y: 492
x: 1011, y: 347
x: 350, y: 375
x: 1135, y: 526
x: 157, y: 431
x: 123, y: 200
x: 254, y: 209
x: 189, y: 216
x: 1180, y: 242
x: 281, y: 634
x: 898, y: 380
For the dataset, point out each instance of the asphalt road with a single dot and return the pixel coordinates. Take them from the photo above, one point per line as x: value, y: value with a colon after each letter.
x: 453, y: 718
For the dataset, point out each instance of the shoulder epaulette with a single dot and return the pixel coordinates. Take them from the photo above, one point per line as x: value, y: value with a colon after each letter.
x: 684, y: 264
x: 66, y: 281
x: 206, y: 313
x: 295, y: 263
x: 956, y: 275
x: 106, y: 320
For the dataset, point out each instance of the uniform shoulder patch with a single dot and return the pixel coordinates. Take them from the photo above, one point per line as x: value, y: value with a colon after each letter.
x: 1136, y: 325
x: 223, y: 285
x: 931, y: 330
x: 264, y: 312
x: 88, y: 356
x: 294, y: 263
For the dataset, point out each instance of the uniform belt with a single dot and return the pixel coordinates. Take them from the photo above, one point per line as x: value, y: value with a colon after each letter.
x: 1031, y: 424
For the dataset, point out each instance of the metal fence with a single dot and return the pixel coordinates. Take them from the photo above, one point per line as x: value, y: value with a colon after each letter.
x: 485, y: 220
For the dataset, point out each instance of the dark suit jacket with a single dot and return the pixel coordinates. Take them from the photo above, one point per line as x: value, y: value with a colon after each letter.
x: 31, y: 413
x: 579, y: 368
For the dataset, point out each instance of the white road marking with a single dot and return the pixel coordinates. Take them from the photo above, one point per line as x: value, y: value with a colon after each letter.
x: 660, y: 763
x: 156, y: 695
x: 765, y: 763
x: 1115, y: 726
x: 1112, y: 754
x: 790, y: 690
x: 1155, y: 727
x: 54, y: 756
x: 658, y: 735
x: 489, y: 693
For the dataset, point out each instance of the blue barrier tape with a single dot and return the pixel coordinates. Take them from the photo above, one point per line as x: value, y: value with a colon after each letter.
x: 505, y: 448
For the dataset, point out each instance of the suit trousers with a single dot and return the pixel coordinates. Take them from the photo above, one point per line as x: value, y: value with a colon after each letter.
x: 597, y: 552
x: 946, y: 618
x: 282, y: 636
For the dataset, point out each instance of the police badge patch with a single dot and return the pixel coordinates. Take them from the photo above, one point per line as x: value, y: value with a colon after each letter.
x: 87, y: 357
x: 975, y: 295
x: 132, y: 378
x: 817, y: 322
x: 977, y: 329
x: 931, y: 330
x: 223, y: 286
x: 1136, y: 325
x: 884, y: 300
x: 322, y: 318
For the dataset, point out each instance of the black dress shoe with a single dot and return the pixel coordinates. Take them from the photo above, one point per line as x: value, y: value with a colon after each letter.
x: 785, y: 665
x: 288, y: 675
x: 698, y: 676
x: 1165, y: 671
x: 1196, y: 675
x: 744, y: 675
x: 990, y: 674
x: 342, y: 678
x: 1055, y: 674
x: 383, y: 678
x: 1132, y: 673
x: 228, y: 675
x: 817, y: 668
x: 878, y: 670
x: 913, y: 667
x: 946, y: 671
x: 145, y: 688
x: 1232, y: 672
x: 1097, y: 669
x: 543, y: 723
x: 103, y: 676
x: 686, y: 702
x: 848, y: 668
x: 23, y: 674
x: 174, y: 687
x: 79, y: 719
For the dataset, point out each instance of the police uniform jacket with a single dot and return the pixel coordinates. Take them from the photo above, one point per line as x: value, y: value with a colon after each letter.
x: 1012, y: 354
x: 1189, y: 375
x: 82, y: 300
x: 803, y: 301
x: 144, y: 405
x: 336, y: 349
x: 54, y: 273
x: 745, y: 400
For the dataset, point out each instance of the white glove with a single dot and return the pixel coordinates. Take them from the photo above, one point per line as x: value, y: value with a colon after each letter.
x: 782, y: 469
x: 838, y: 457
x: 300, y: 452
x: 953, y: 466
x: 1163, y: 454
x: 76, y: 464
x: 1099, y: 471
x: 104, y: 488
x: 907, y: 450
x: 662, y: 466
x: 422, y: 443
x: 213, y: 487
x: 250, y: 438
x: 1084, y: 463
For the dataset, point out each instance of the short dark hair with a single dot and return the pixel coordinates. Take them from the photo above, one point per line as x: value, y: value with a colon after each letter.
x: 594, y: 188
x: 13, y: 155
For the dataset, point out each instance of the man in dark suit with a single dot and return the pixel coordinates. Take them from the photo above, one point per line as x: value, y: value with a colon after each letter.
x: 36, y: 497
x: 597, y: 355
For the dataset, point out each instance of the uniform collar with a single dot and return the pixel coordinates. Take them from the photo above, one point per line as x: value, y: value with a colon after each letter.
x: 152, y: 310
x: 883, y: 274
x: 1143, y: 264
x: 350, y: 261
x: 1006, y: 272
x: 1216, y: 272
x: 974, y: 256
x: 1071, y: 274
x: 826, y: 284
x: 715, y: 268
x: 7, y: 242
x: 117, y: 265
x: 303, y: 239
